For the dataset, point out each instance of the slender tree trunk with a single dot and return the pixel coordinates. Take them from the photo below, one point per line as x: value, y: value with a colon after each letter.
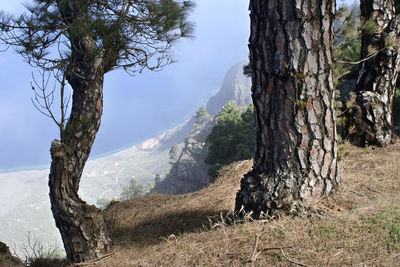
x: 370, y: 120
x: 296, y: 159
x: 81, y: 225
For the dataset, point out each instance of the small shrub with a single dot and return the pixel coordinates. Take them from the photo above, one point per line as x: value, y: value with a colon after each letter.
x: 37, y: 254
x: 343, y: 151
x: 103, y: 203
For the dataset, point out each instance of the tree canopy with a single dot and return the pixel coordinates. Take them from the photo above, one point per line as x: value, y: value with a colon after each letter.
x: 232, y: 138
x: 133, y: 35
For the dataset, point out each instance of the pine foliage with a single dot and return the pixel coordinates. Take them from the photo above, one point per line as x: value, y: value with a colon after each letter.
x: 232, y: 138
x: 347, y: 48
x: 133, y: 35
x: 173, y: 154
x: 201, y: 117
x: 134, y: 189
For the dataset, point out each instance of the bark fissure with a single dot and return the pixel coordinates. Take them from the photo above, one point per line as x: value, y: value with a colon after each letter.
x: 295, y: 161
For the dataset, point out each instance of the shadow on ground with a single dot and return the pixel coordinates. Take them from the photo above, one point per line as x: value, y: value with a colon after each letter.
x: 165, y: 227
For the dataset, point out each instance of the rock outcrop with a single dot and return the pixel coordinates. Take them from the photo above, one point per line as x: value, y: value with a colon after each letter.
x: 189, y: 173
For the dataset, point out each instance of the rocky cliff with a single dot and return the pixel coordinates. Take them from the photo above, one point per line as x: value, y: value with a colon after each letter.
x: 189, y: 173
x: 6, y: 258
x: 236, y: 86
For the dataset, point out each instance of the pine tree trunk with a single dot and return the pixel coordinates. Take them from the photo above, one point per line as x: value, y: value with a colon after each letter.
x: 296, y: 159
x: 370, y: 120
x: 82, y: 226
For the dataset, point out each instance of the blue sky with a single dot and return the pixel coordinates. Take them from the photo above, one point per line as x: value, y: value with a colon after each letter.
x: 135, y: 108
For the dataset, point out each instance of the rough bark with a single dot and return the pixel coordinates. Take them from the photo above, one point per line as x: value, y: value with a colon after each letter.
x: 370, y: 120
x: 296, y: 158
x: 81, y: 225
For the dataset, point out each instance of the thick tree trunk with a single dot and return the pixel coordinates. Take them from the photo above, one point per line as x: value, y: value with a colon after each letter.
x: 296, y: 159
x: 370, y: 120
x: 81, y: 225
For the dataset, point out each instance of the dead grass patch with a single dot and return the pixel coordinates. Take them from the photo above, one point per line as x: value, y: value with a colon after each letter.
x: 360, y: 225
x: 146, y: 220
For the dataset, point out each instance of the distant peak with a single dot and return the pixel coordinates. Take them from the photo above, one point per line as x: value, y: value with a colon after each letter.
x: 236, y: 86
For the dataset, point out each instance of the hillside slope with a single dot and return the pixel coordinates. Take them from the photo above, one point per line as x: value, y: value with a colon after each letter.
x: 359, y: 225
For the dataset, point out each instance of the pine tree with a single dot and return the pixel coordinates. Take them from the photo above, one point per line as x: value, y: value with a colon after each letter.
x: 201, y: 117
x: 157, y: 179
x: 78, y: 42
x: 232, y: 138
x: 134, y: 189
x: 173, y: 154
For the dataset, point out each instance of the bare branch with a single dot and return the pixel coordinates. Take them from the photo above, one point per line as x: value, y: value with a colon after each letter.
x: 44, y: 100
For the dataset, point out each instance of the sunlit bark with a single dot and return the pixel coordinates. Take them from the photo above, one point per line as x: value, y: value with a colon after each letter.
x: 291, y: 55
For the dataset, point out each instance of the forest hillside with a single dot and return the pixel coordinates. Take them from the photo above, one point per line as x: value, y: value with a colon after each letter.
x: 359, y: 225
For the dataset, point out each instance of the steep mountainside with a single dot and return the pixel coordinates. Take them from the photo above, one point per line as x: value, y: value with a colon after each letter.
x: 359, y: 225
x: 189, y: 173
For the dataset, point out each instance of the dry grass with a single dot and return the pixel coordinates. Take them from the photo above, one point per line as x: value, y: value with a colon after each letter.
x: 360, y: 224
x: 147, y: 220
